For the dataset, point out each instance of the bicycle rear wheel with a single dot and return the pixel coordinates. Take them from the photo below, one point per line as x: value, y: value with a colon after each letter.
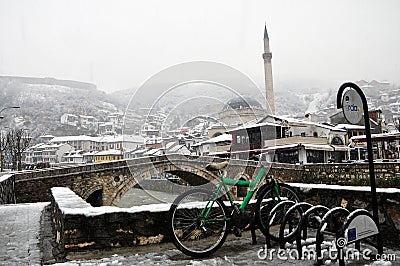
x: 192, y: 230
x: 268, y: 198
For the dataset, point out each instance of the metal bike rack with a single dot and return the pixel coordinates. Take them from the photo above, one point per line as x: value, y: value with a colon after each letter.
x: 285, y: 202
x: 321, y: 230
x: 301, y: 206
x: 303, y: 225
x: 359, y: 225
x: 350, y: 227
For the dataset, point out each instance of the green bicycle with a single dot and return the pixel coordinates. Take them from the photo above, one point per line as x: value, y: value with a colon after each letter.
x: 199, y: 220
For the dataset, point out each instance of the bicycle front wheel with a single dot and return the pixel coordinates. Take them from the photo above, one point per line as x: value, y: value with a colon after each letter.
x: 198, y: 224
x: 266, y: 201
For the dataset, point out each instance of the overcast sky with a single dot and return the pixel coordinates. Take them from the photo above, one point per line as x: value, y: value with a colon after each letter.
x: 120, y: 44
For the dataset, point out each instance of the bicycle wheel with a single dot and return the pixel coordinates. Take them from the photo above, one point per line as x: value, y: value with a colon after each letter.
x: 268, y: 198
x: 190, y: 231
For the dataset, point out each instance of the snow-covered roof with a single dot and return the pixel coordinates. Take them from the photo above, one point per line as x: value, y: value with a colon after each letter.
x: 35, y: 146
x: 90, y: 153
x: 73, y: 138
x: 350, y: 126
x: 70, y: 115
x: 169, y: 145
x: 47, y: 136
x: 282, y: 147
x: 138, y: 151
x: 133, y: 138
x: 217, y: 139
x: 109, y: 152
x: 253, y: 124
x: 318, y: 147
x: 45, y: 147
x: 307, y: 146
x: 176, y: 148
x: 284, y: 121
x: 394, y: 135
x: 75, y: 155
x: 107, y: 139
x: 87, y: 116
x: 153, y: 152
x: 297, y: 122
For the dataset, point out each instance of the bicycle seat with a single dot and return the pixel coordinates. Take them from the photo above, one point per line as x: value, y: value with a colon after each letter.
x: 217, y: 166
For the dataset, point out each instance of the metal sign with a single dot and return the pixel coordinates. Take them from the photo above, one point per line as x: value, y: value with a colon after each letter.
x: 352, y: 106
x: 361, y: 227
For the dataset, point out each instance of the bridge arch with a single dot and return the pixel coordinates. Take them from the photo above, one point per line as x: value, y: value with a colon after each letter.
x: 86, y: 194
x: 193, y: 173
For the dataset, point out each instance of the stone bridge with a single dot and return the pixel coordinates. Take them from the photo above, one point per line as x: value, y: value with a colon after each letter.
x: 106, y: 183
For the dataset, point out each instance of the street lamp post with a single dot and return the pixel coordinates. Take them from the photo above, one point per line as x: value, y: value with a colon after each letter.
x: 10, y: 107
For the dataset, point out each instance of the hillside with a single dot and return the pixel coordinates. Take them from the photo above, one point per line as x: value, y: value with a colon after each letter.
x: 44, y: 101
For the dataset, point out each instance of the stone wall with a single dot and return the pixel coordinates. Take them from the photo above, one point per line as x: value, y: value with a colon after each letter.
x: 386, y: 174
x: 115, y: 178
x: 34, y: 186
x: 7, y: 192
x: 79, y: 226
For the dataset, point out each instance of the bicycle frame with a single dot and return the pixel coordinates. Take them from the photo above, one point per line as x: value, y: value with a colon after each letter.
x: 225, y: 182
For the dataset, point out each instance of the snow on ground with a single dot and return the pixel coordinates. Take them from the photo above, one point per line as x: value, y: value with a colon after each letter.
x: 19, y: 233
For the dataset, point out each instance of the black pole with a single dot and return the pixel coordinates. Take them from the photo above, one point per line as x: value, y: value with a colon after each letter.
x: 370, y: 154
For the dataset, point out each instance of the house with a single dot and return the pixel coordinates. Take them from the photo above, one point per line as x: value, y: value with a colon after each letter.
x: 106, y: 128
x: 81, y: 142
x: 88, y: 143
x: 45, y: 153
x: 375, y: 119
x: 73, y: 157
x: 178, y: 149
x: 150, y: 131
x: 221, y: 143
x: 107, y: 156
x: 384, y: 146
x: 288, y: 140
x: 119, y: 142
x: 88, y: 157
x: 69, y: 119
x: 87, y: 120
x: 136, y: 153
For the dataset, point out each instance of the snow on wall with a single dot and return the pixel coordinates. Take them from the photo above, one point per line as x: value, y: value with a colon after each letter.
x: 350, y: 188
x: 70, y: 203
x: 7, y: 192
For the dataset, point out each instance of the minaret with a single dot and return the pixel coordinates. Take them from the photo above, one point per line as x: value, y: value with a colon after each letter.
x: 269, y: 85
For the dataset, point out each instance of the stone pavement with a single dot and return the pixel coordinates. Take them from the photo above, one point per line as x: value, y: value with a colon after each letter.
x: 20, y: 234
x: 235, y: 251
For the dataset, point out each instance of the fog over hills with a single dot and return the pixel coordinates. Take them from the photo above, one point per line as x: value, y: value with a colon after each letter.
x: 44, y: 100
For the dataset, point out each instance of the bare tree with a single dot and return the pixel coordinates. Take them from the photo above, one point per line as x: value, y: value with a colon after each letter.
x: 18, y: 141
x: 3, y: 148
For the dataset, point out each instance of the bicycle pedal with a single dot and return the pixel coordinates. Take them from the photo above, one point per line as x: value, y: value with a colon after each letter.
x: 237, y: 232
